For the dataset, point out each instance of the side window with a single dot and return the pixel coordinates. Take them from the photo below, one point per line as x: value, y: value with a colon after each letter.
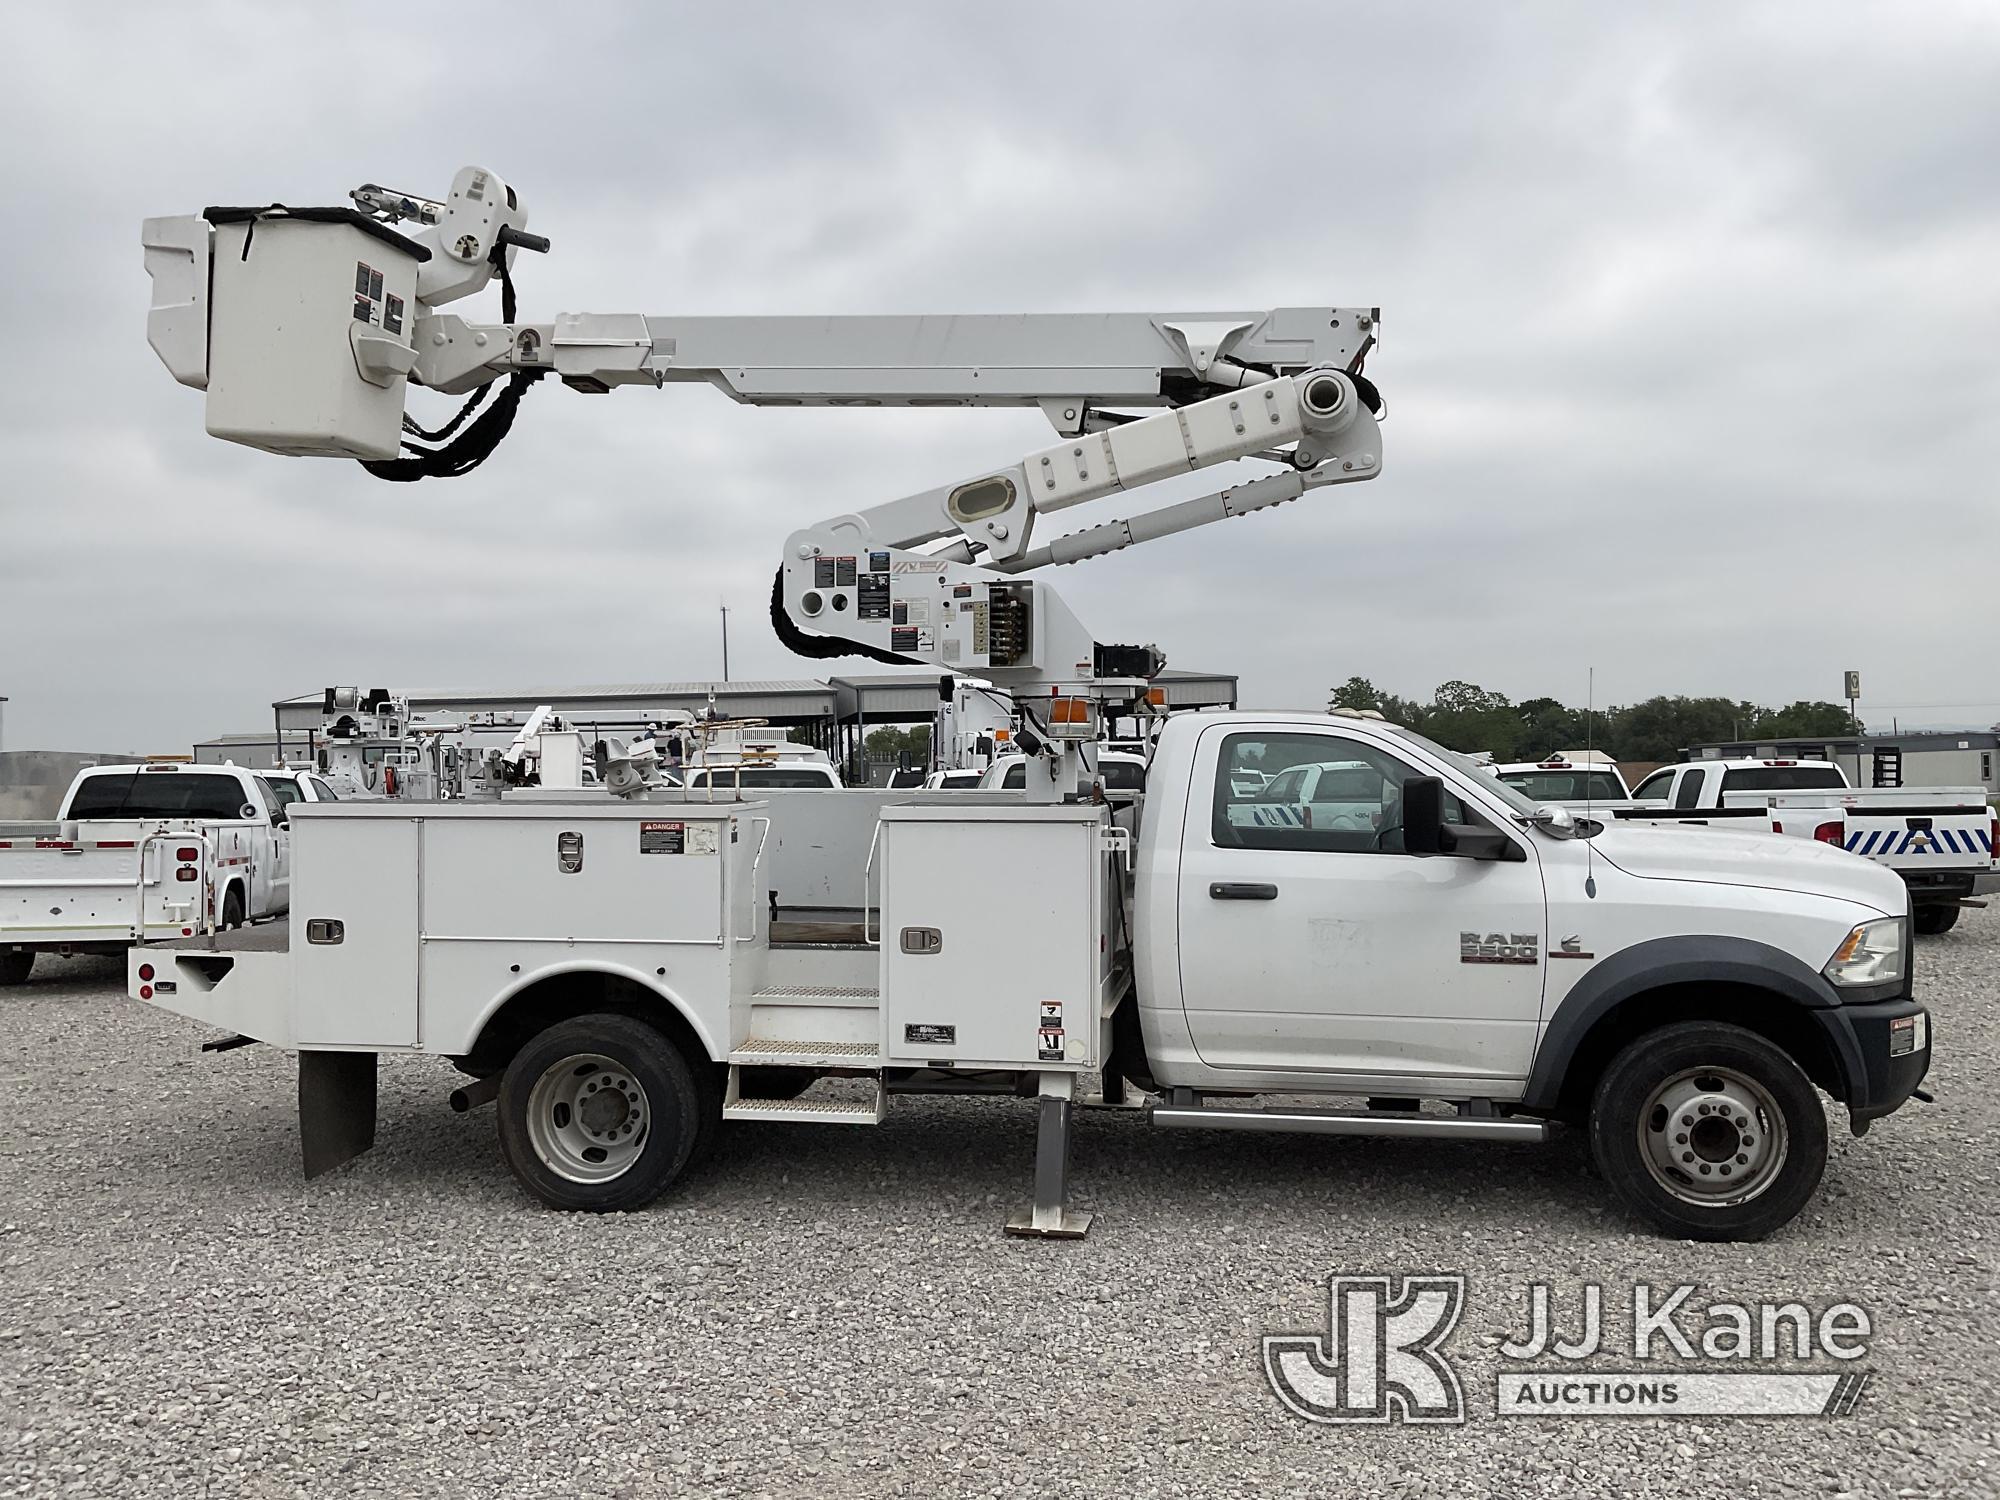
x: 287, y: 792
x: 1015, y: 777
x: 1689, y: 794
x: 273, y: 803
x: 322, y: 791
x: 1655, y: 785
x: 1311, y: 791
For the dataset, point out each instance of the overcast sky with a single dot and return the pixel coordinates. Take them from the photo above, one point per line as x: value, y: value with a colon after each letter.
x: 1691, y: 336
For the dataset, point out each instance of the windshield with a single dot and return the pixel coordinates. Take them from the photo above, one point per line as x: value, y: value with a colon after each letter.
x: 1565, y: 786
x: 1523, y: 806
x: 770, y: 776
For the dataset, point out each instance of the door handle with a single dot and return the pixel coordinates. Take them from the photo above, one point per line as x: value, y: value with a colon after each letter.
x: 1236, y: 890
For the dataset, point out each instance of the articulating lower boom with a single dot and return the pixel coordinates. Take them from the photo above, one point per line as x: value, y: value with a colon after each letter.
x: 306, y: 326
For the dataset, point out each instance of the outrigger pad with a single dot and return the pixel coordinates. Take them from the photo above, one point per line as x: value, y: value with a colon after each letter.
x: 336, y: 1107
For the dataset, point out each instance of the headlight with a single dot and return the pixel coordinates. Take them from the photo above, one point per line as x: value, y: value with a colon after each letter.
x: 1871, y: 954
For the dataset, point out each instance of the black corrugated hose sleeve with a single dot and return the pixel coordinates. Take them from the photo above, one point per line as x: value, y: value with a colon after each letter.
x: 471, y: 448
x: 821, y: 647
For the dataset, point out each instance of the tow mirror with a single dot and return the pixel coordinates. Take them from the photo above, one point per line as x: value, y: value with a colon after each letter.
x: 1423, y: 815
x: 1426, y: 832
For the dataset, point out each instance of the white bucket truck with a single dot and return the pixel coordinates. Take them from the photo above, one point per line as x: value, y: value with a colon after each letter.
x: 1448, y: 961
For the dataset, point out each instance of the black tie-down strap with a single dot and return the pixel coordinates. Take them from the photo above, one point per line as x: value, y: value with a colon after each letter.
x: 821, y: 647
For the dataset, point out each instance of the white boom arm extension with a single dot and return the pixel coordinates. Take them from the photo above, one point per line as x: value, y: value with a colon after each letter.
x: 306, y: 327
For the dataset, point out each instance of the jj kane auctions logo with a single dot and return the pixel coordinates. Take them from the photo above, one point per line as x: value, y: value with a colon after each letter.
x: 1382, y: 1358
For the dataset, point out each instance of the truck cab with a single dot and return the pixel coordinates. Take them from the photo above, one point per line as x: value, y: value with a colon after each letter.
x: 1707, y: 784
x: 1562, y: 781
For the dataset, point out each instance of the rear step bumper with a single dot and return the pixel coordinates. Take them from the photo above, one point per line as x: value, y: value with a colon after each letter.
x: 1350, y: 1122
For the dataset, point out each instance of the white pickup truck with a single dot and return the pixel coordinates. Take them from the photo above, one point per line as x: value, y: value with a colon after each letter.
x: 140, y: 853
x: 1562, y: 782
x: 1472, y: 965
x: 1939, y: 840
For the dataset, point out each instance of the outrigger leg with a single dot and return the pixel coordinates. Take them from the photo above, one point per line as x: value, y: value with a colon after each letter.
x: 1049, y: 1215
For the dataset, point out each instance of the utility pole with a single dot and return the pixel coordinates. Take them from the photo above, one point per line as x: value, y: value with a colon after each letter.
x: 725, y: 643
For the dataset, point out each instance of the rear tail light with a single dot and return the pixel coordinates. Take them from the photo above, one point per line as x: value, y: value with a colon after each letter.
x: 189, y: 852
x: 145, y: 992
x: 145, y: 971
x: 187, y: 872
x: 1831, y: 833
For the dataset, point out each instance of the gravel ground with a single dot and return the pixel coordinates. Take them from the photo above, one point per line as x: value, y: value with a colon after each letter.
x: 833, y: 1311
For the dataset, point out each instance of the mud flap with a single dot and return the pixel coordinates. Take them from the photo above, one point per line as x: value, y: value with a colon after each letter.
x: 336, y: 1107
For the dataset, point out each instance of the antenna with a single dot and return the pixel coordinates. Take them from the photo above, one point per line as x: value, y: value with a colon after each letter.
x: 1589, y: 771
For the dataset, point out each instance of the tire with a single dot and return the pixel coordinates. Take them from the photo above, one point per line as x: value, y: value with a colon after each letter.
x: 1930, y: 920
x: 14, y: 966
x: 775, y: 1083
x: 1755, y: 1132
x: 232, y: 908
x: 599, y: 1114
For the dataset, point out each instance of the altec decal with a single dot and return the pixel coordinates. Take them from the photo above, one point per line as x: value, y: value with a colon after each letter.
x: 1499, y: 948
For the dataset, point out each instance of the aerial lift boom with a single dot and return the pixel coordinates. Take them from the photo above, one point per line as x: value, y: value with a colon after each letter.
x: 307, y: 326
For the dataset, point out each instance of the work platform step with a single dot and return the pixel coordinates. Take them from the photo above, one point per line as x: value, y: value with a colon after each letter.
x: 787, y: 1052
x: 807, y: 1111
x: 849, y: 995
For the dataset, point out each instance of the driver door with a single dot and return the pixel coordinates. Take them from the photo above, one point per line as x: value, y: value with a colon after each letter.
x: 1311, y: 943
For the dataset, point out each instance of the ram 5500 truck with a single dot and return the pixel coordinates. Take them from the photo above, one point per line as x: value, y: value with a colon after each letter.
x: 138, y: 853
x: 1467, y: 962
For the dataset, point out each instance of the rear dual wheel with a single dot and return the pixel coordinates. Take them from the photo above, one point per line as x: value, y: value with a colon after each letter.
x: 14, y: 966
x: 602, y: 1114
x: 1710, y: 1131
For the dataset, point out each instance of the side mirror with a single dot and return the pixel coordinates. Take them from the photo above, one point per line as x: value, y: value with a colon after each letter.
x: 1423, y: 815
x: 1426, y: 832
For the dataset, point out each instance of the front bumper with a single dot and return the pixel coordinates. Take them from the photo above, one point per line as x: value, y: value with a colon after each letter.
x: 1885, y: 1049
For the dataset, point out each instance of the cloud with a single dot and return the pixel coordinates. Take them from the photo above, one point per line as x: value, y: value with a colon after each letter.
x: 1687, y: 335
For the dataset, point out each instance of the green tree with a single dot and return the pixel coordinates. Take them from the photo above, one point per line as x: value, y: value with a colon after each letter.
x: 889, y: 742
x: 1660, y: 728
x: 1805, y: 721
x: 1547, y: 726
x: 1357, y: 694
x: 1465, y: 716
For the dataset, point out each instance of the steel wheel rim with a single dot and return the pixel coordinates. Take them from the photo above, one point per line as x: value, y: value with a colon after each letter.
x: 588, y: 1118
x: 1713, y: 1137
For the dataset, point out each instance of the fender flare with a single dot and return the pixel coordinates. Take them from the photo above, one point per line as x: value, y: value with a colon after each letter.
x: 1677, y: 961
x: 646, y: 981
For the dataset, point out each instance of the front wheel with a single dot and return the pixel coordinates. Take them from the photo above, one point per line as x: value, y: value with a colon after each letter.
x: 14, y: 966
x: 1931, y: 920
x: 232, y: 909
x: 1710, y: 1131
x: 599, y: 1114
